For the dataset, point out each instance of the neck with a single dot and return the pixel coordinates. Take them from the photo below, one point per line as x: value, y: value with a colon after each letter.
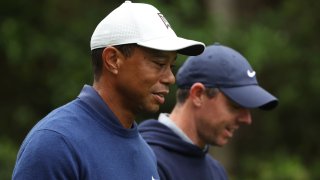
x: 113, y: 100
x: 184, y: 118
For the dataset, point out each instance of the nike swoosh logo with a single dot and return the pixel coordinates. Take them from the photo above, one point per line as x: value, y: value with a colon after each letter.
x: 152, y: 178
x: 251, y: 73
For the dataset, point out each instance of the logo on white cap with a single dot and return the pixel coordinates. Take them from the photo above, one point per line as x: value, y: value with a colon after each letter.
x: 164, y: 20
x: 251, y: 73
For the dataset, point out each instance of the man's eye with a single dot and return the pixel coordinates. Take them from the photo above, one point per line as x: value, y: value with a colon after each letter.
x: 235, y: 105
x: 158, y: 63
x: 161, y: 65
x: 173, y: 67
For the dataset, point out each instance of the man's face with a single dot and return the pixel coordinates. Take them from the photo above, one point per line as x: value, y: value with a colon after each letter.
x: 144, y: 79
x: 219, y: 118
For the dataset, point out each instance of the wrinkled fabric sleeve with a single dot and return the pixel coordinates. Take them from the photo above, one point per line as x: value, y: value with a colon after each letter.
x: 46, y: 155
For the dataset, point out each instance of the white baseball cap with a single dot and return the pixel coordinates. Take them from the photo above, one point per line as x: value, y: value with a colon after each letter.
x: 144, y: 25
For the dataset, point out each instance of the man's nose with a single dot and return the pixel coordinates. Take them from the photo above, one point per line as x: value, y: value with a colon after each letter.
x: 245, y: 116
x: 168, y: 77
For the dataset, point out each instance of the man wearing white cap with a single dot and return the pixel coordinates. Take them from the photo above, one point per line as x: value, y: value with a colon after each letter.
x: 95, y: 136
x: 216, y: 91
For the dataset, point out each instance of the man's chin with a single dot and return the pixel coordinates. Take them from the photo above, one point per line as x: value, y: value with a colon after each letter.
x: 222, y: 143
x: 219, y: 144
x: 149, y: 110
x: 153, y: 109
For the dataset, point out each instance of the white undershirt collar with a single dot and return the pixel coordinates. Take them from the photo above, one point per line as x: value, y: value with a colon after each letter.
x: 164, y: 119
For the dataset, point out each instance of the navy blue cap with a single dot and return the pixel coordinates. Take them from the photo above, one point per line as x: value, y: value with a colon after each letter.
x: 226, y: 69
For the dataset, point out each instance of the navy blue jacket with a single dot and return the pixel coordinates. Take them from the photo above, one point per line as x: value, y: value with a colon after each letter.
x: 84, y: 140
x: 177, y: 159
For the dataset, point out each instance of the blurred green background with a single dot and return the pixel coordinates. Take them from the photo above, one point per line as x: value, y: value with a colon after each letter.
x: 45, y: 61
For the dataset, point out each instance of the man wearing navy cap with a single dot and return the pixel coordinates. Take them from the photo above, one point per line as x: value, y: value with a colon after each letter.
x: 216, y: 91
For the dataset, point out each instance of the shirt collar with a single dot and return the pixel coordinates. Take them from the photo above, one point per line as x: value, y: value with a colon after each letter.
x: 164, y: 119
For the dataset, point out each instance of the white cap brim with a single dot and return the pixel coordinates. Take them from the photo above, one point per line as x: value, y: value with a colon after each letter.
x: 181, y: 45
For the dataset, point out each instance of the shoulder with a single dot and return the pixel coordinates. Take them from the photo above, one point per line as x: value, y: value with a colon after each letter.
x: 64, y: 118
x: 43, y: 153
x: 150, y: 125
x: 148, y: 122
x: 152, y: 130
x: 46, y: 143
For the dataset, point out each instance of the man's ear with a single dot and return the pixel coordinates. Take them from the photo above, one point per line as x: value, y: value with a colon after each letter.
x: 111, y: 59
x: 196, y: 93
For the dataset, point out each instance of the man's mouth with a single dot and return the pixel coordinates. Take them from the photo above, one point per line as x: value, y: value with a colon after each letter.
x: 160, y: 96
x: 231, y: 130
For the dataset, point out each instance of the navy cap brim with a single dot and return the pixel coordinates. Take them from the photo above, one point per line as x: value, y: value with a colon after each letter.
x: 251, y: 96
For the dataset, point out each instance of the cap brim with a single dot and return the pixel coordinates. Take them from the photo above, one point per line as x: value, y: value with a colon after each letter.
x: 181, y: 45
x: 252, y: 96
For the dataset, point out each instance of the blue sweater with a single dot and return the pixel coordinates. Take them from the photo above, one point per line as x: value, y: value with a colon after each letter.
x: 178, y: 159
x: 84, y: 140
